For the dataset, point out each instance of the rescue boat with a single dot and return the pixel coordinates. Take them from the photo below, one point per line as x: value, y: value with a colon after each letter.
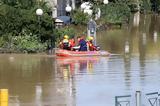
x: 67, y: 53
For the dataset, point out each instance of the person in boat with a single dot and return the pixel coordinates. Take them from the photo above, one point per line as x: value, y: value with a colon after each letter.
x: 72, y: 44
x: 90, y: 45
x: 64, y: 44
x: 82, y: 43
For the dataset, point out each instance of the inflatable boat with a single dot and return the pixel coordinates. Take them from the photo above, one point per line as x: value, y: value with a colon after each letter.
x: 67, y: 53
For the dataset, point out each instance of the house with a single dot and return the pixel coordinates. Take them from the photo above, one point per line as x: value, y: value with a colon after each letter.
x: 58, y: 6
x: 59, y: 10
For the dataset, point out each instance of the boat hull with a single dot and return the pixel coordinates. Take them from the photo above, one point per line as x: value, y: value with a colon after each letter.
x: 66, y: 53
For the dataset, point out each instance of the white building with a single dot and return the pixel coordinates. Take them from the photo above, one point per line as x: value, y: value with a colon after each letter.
x: 58, y: 6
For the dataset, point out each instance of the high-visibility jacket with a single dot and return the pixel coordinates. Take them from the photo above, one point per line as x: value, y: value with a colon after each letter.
x: 91, y: 46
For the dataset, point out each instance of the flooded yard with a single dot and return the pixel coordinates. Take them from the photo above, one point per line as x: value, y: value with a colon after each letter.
x: 42, y: 80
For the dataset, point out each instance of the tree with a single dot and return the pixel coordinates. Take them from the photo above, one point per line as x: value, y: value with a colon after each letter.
x: 19, y: 20
x: 17, y: 16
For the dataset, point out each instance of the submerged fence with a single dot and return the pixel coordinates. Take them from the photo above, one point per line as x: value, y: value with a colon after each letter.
x: 149, y: 99
x: 122, y: 100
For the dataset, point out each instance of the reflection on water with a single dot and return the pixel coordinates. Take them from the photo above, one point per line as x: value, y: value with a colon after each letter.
x: 71, y: 66
x: 147, y: 33
x: 41, y: 80
x: 22, y: 75
x: 136, y: 19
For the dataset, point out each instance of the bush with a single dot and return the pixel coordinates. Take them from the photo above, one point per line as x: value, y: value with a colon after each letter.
x: 23, y: 43
x: 28, y: 44
x: 115, y: 12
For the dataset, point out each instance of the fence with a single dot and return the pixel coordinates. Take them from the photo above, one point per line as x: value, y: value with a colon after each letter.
x: 149, y: 99
x: 122, y: 100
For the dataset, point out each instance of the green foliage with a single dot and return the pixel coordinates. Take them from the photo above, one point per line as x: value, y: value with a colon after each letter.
x: 79, y: 17
x: 22, y: 43
x: 20, y: 3
x: 27, y: 43
x: 145, y: 6
x: 1, y: 41
x: 59, y: 33
x: 155, y: 5
x: 134, y: 7
x: 132, y: 4
x: 116, y: 12
x: 18, y: 17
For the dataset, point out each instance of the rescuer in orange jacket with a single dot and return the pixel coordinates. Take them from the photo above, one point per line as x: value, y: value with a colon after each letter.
x: 71, y: 43
x: 90, y: 44
x: 64, y: 44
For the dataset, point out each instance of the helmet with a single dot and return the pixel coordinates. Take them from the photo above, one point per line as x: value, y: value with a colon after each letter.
x: 66, y: 37
x: 90, y: 38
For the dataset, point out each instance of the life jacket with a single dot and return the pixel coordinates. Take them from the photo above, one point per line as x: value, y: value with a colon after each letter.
x: 91, y: 46
x: 71, y: 43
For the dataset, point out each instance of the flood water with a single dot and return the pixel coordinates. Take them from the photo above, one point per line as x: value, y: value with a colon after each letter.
x: 43, y: 80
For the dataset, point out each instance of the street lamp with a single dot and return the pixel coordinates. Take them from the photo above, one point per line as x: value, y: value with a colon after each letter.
x: 105, y: 1
x: 88, y: 11
x: 83, y: 6
x: 86, y: 8
x: 39, y: 13
x: 68, y: 8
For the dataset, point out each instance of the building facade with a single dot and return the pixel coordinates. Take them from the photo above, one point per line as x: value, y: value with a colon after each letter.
x: 58, y: 6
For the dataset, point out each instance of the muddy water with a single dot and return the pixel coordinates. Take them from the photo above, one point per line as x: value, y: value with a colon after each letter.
x: 42, y: 80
